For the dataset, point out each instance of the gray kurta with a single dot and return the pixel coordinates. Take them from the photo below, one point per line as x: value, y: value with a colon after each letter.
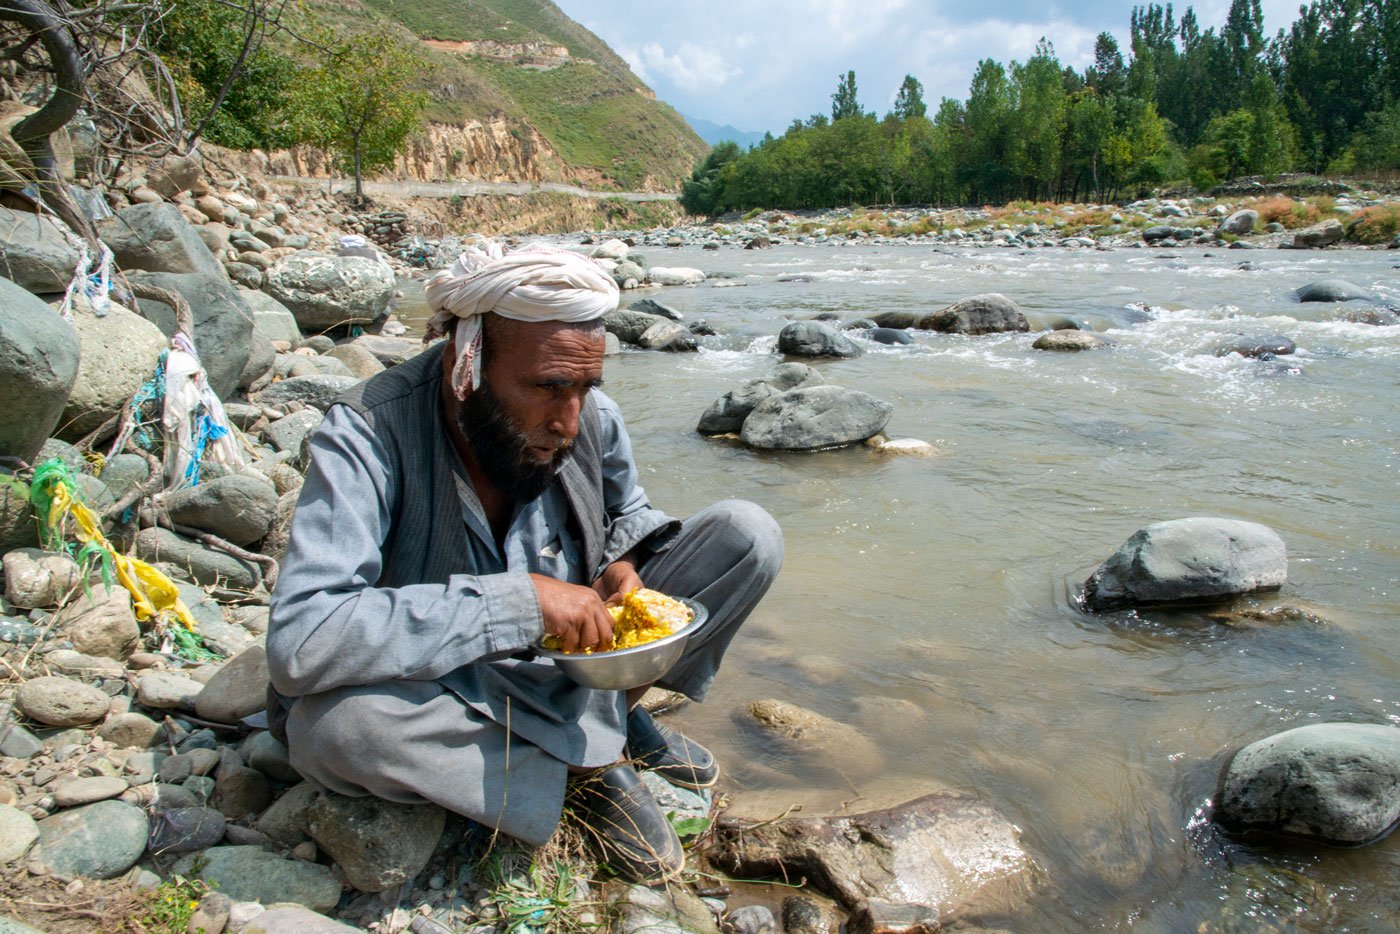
x: 396, y: 614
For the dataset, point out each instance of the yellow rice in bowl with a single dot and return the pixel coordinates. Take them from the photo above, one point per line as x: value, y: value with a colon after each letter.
x: 643, y: 616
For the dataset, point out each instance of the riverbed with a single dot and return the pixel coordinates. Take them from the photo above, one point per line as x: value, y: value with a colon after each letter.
x: 932, y: 602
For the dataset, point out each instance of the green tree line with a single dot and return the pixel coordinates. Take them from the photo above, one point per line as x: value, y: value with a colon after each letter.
x: 1182, y: 104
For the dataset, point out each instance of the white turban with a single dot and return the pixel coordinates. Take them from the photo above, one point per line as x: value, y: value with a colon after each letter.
x: 533, y: 283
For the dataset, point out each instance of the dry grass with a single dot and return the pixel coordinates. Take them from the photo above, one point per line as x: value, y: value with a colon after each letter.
x: 1294, y: 214
x: 1379, y: 224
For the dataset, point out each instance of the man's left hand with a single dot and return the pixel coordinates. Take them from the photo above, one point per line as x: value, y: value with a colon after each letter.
x: 617, y: 580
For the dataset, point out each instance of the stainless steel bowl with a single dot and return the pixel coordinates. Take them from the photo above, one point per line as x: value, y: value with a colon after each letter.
x: 623, y: 669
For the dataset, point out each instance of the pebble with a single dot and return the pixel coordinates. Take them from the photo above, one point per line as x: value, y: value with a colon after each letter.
x: 247, y: 873
x: 87, y: 790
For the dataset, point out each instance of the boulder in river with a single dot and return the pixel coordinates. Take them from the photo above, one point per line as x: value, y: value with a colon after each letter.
x: 815, y: 417
x: 948, y: 854
x: 1262, y: 348
x: 669, y: 336
x: 613, y: 249
x: 895, y: 319
x: 38, y: 366
x: 1333, y: 290
x: 815, y: 339
x: 649, y: 306
x: 674, y: 275
x: 1069, y: 341
x: 887, y: 335
x: 1186, y: 560
x: 727, y: 413
x: 158, y: 238
x: 1319, y: 235
x: 629, y: 324
x: 34, y: 253
x: 1336, y: 783
x: 991, y: 313
x: 324, y: 291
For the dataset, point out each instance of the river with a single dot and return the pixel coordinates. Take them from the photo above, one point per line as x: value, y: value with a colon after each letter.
x: 931, y: 602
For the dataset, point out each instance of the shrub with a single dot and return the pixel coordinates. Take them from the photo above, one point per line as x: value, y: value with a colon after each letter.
x: 1291, y: 214
x: 1379, y: 224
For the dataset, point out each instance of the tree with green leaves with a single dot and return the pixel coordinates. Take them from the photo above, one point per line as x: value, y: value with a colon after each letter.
x: 701, y: 192
x: 363, y: 100
x: 844, y: 103
x: 909, y: 101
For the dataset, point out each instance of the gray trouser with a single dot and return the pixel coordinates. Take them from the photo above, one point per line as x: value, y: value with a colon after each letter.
x: 415, y: 741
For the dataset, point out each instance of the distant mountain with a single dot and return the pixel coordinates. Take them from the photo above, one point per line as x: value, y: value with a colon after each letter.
x: 713, y: 133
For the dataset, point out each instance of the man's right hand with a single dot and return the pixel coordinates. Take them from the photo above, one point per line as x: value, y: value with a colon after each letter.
x: 573, y: 613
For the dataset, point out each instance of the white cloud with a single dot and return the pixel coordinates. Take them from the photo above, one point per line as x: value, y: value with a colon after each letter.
x: 690, y: 67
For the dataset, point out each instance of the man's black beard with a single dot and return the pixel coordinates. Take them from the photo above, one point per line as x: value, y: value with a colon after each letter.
x: 501, y: 448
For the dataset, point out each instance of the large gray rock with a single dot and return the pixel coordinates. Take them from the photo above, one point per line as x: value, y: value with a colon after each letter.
x: 377, y: 844
x: 272, y: 317
x: 950, y: 854
x: 34, y: 253
x: 38, y: 366
x: 205, y: 565
x: 101, y: 623
x: 815, y: 417
x: 1189, y: 560
x: 238, y: 508
x: 252, y: 874
x: 1319, y: 235
x: 652, y: 307
x: 629, y: 325
x: 361, y: 363
x: 319, y: 391
x: 992, y: 313
x: 727, y: 413
x: 101, y: 840
x: 668, y: 336
x: 326, y: 291
x: 1240, y: 222
x: 167, y: 690
x: 157, y: 238
x: 117, y: 353
x: 223, y: 323
x: 895, y: 319
x: 238, y: 690
x: 174, y: 174
x: 286, y: 821
x: 262, y: 357
x: 58, y: 701
x: 1333, y: 782
x: 1333, y: 290
x: 815, y: 339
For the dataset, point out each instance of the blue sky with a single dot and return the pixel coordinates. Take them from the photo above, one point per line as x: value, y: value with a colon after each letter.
x: 757, y: 65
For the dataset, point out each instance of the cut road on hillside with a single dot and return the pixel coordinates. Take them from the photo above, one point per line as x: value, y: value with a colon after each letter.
x: 470, y: 189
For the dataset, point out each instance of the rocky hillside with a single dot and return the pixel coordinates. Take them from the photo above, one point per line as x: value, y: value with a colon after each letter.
x: 520, y: 92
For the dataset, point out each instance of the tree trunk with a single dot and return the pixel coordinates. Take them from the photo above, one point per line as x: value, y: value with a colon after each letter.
x: 359, y: 185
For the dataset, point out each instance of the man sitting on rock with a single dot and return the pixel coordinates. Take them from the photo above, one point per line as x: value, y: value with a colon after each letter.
x: 458, y: 507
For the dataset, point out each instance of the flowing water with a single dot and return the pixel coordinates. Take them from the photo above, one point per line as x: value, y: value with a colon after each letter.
x: 931, y: 602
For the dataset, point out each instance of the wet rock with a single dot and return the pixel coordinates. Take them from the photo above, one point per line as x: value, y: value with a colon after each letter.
x: 1189, y: 559
x: 361, y: 363
x: 674, y: 275
x: 272, y: 318
x: 1335, y: 783
x: 758, y: 243
x: 1069, y: 341
x: 164, y: 690
x: 36, y: 579
x: 38, y: 366
x: 117, y: 353
x: 157, y: 238
x: 34, y: 253
x: 238, y: 690
x: 815, y: 417
x: 239, y: 791
x: 184, y: 830
x: 205, y: 565
x: 905, y: 447
x: 101, y: 840
x: 614, y: 249
x: 131, y: 730
x: 319, y: 390
x: 17, y: 833
x: 629, y: 325
x: 1333, y: 290
x: 682, y: 803
x: 1262, y: 348
x: 286, y: 820
x: 815, y: 339
x: 946, y: 853
x: 1319, y: 235
x: 238, y: 508
x: 876, y: 916
x: 377, y: 844
x: 223, y: 326
x: 890, y: 336
x: 753, y: 919
x: 648, y: 306
x: 87, y: 790
x: 291, y: 920
x: 727, y: 413
x: 992, y: 313
x: 1239, y: 223
x: 895, y: 319
x: 250, y: 873
x: 329, y: 291
x: 803, y: 915
x: 101, y: 623
x: 787, y: 376
x: 670, y: 910
x: 59, y: 701
x: 668, y: 336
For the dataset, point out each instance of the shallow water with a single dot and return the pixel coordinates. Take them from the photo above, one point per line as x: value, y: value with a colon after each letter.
x: 931, y: 602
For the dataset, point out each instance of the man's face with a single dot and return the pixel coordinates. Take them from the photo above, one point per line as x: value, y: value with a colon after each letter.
x: 522, y: 420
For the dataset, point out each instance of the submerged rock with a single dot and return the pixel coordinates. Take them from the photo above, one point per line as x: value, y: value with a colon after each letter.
x: 1069, y: 341
x: 815, y: 417
x: 1189, y: 560
x: 1263, y: 348
x: 1333, y: 290
x: 1331, y: 782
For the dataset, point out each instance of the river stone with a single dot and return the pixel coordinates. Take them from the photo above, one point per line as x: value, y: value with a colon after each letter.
x: 671, y: 909
x: 83, y: 667
x: 286, y: 820
x: 319, y: 391
x: 35, y: 578
x: 804, y: 915
x: 948, y: 853
x: 815, y: 339
x: 1239, y: 223
x: 18, y: 527
x: 238, y: 690
x: 34, y: 253
x: 727, y: 413
x: 118, y: 352
x: 131, y: 730
x: 288, y: 432
x: 101, y: 840
x: 38, y: 366
x: 293, y: 920
x: 1070, y: 341
x: 239, y: 791
x: 302, y: 365
x: 668, y: 336
x: 268, y: 755
x: 648, y: 306
x: 250, y: 873
x: 992, y: 313
x: 1333, y: 290
x: 205, y: 565
x: 1192, y: 559
x: 895, y: 319
x: 17, y: 833
x: 787, y: 376
x: 262, y: 357
x: 378, y: 844
x: 877, y: 916
x: 753, y: 919
x: 223, y: 323
x: 238, y: 508
x: 125, y: 472
x: 57, y: 701
x: 101, y: 622
x: 18, y: 743
x: 157, y: 238
x: 889, y: 336
x: 1319, y: 235
x: 271, y: 317
x: 613, y: 249
x: 629, y: 325
x: 674, y: 275
x: 87, y: 790
x: 360, y: 362
x: 811, y: 733
x: 165, y: 690
x: 815, y: 417
x: 327, y: 291
x: 390, y: 351
x: 1263, y: 348
x: 1333, y: 782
